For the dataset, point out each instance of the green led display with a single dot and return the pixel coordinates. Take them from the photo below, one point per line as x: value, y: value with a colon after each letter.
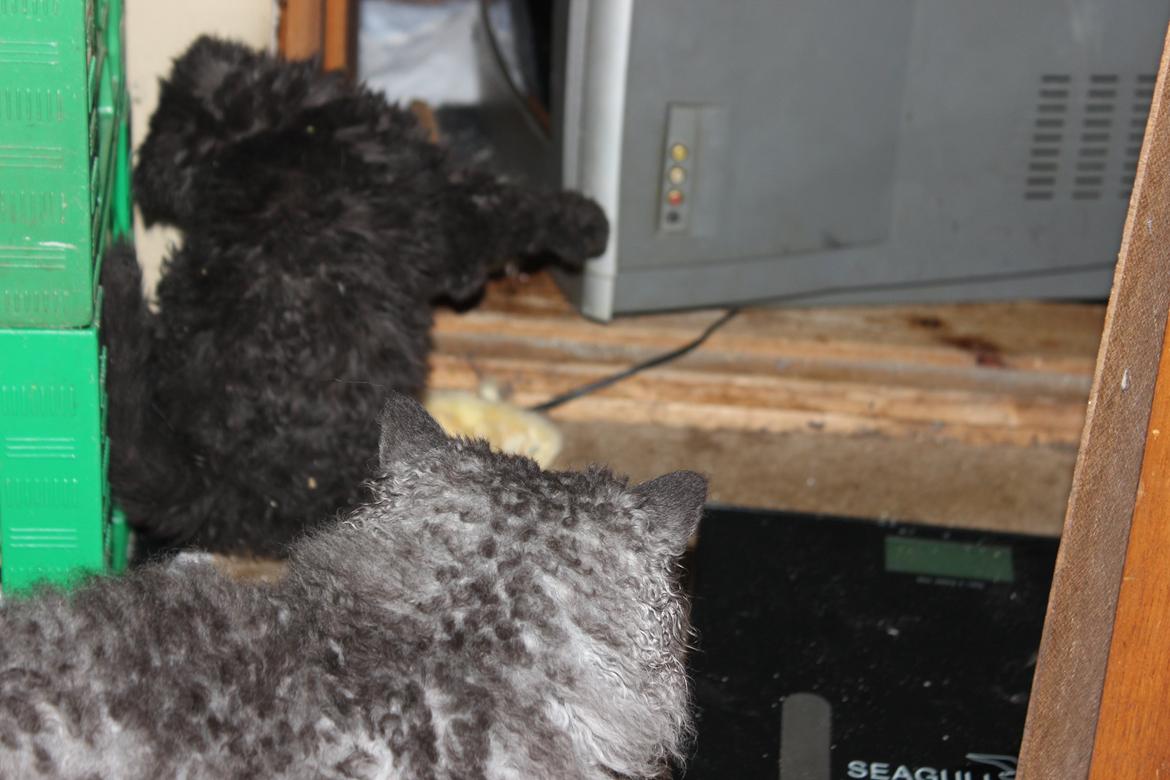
x: 960, y: 560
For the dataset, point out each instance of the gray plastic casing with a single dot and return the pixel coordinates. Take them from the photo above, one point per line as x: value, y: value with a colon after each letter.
x: 849, y: 151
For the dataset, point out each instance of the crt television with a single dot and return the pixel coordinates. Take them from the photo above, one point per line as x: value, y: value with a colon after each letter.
x: 829, y: 150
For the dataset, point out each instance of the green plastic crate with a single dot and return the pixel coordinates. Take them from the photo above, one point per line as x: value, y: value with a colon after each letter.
x: 63, y: 109
x: 55, y: 514
x: 64, y: 191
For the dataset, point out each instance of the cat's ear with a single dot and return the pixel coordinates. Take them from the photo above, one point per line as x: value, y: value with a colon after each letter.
x: 187, y: 132
x: 673, y: 504
x: 408, y: 431
x: 202, y: 69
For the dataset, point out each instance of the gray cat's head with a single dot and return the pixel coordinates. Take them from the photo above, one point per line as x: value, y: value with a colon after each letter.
x: 566, y: 580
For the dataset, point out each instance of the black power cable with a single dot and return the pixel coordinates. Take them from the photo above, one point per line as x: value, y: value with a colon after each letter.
x: 658, y: 360
x: 674, y: 354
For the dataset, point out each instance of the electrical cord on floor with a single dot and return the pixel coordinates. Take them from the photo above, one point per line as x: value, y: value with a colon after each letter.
x: 637, y: 368
x: 730, y: 314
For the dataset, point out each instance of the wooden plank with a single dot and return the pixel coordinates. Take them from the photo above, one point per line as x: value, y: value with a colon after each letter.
x: 324, y: 28
x: 764, y: 335
x: 340, y: 36
x: 1044, y: 334
x: 1133, y: 732
x: 731, y: 400
x: 1059, y: 338
x: 302, y: 28
x: 905, y: 478
x: 784, y: 360
x: 1014, y: 374
x: 1070, y: 674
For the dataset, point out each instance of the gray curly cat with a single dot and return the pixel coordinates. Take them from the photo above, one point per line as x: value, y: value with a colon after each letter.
x: 479, y: 618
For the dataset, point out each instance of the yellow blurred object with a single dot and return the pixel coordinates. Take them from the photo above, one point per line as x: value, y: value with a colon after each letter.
x: 506, y: 427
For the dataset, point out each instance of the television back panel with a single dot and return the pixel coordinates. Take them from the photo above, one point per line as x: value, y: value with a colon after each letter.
x: 835, y: 151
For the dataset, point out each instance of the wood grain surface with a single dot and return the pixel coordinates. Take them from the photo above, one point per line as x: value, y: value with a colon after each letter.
x: 1133, y: 731
x: 1066, y: 695
x: 1004, y: 373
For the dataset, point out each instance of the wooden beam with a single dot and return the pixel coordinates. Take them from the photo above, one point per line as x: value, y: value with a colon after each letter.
x: 340, y: 36
x: 1133, y: 732
x: 324, y: 28
x: 703, y: 397
x: 1063, y: 714
x: 1005, y: 373
x: 301, y: 30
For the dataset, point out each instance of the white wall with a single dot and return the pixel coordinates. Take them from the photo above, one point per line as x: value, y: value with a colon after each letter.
x: 156, y: 32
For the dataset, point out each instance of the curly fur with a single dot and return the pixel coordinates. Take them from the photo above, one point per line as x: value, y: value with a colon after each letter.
x: 479, y: 618
x: 319, y: 225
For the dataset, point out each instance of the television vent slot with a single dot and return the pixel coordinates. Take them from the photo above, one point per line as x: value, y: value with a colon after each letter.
x: 1100, y: 106
x: 1048, y: 131
x: 1086, y: 135
x: 1142, y: 95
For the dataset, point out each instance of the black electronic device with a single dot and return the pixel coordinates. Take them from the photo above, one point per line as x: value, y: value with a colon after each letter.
x: 833, y: 649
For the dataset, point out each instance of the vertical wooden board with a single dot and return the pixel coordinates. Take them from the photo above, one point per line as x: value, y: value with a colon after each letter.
x: 302, y: 28
x: 1133, y: 731
x: 1070, y: 674
x: 340, y: 48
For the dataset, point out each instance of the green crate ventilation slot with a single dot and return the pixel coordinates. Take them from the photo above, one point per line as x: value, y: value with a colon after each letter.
x: 64, y: 194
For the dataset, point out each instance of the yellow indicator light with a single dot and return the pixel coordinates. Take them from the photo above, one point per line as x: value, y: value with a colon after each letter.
x: 679, y: 152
